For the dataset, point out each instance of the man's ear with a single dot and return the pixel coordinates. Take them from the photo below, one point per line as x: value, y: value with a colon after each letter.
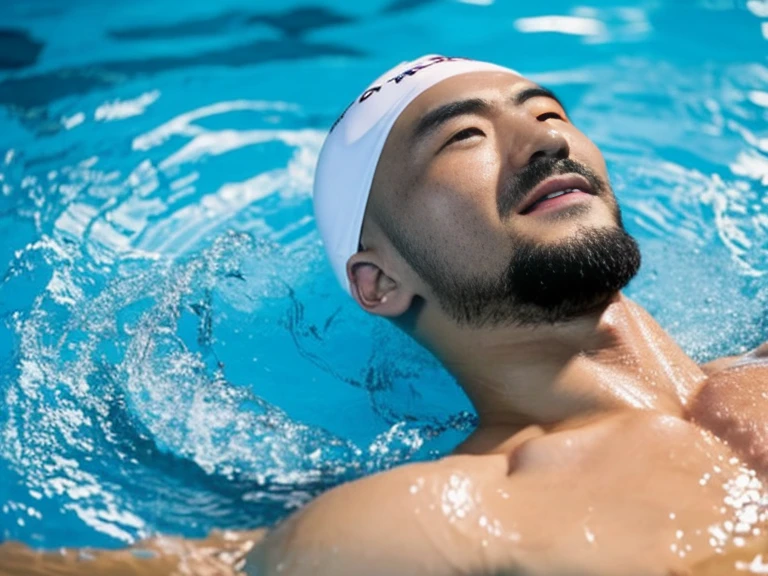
x: 375, y: 291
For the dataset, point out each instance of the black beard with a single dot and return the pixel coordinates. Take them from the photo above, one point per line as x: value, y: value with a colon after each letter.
x: 544, y: 284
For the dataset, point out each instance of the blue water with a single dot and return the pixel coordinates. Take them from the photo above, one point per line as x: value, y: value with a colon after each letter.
x: 174, y: 353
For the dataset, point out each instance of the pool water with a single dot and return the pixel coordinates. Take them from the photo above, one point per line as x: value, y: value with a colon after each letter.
x: 174, y: 352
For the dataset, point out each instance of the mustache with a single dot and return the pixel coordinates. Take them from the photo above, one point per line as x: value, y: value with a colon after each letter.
x: 520, y: 185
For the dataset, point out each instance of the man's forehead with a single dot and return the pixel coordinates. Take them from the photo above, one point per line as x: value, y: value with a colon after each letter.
x: 486, y: 85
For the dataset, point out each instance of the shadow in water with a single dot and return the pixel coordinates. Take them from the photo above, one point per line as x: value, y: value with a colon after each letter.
x: 18, y: 49
x: 42, y: 89
x: 293, y: 23
x: 405, y: 5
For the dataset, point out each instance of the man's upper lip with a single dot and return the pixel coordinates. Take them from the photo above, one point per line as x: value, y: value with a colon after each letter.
x: 555, y: 184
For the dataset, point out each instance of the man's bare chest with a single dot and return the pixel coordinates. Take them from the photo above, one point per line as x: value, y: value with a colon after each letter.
x: 637, y: 489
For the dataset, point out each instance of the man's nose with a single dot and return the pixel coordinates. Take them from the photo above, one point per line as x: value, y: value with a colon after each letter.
x: 537, y: 140
x: 551, y: 144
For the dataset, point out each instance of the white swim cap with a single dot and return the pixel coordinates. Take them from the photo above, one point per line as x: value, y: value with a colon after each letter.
x: 351, y: 151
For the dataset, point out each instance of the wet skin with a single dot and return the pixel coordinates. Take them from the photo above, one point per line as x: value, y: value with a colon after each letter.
x: 602, y: 448
x: 620, y: 492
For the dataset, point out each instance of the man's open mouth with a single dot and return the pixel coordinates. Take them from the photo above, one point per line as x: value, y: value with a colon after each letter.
x: 557, y: 191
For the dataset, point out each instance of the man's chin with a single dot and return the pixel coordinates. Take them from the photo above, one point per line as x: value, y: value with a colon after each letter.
x: 572, y: 277
x: 547, y: 283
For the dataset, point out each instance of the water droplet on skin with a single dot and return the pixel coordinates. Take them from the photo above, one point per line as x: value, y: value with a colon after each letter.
x: 741, y: 528
x: 757, y: 566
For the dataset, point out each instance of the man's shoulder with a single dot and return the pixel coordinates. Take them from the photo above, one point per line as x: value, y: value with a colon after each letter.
x: 378, y: 499
x: 732, y: 403
x: 379, y: 518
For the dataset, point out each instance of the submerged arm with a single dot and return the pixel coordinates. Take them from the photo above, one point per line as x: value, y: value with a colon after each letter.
x: 220, y: 554
x: 759, y: 353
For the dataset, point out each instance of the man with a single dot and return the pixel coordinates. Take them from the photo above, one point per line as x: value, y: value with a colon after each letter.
x: 456, y: 198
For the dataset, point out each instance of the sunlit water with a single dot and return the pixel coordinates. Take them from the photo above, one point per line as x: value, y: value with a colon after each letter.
x: 174, y: 353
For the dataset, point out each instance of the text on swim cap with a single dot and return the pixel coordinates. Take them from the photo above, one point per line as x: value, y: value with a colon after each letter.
x: 397, y: 79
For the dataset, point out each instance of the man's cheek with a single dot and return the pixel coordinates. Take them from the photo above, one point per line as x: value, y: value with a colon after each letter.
x: 596, y: 159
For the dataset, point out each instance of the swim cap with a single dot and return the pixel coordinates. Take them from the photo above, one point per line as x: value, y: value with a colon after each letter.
x: 351, y: 150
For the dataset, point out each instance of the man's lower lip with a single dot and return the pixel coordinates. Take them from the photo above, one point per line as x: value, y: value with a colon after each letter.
x: 559, y: 202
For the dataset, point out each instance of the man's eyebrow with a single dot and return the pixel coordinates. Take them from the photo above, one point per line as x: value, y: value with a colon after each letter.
x: 433, y: 119
x: 536, y: 92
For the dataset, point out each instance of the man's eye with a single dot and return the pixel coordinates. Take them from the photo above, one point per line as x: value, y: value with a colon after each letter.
x: 464, y: 134
x: 548, y: 115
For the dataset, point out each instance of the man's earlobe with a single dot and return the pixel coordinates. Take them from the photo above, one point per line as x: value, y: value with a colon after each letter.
x: 374, y: 290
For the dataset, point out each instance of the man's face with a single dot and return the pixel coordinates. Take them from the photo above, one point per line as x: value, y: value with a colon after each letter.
x: 500, y: 205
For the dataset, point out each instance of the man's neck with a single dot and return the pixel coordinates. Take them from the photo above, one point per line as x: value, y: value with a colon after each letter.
x: 616, y: 358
